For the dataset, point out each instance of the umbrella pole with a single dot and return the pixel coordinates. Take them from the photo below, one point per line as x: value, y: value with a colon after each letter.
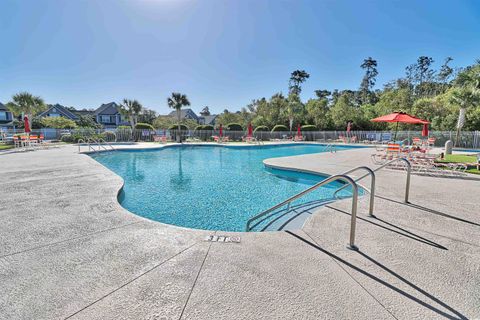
x: 396, y: 130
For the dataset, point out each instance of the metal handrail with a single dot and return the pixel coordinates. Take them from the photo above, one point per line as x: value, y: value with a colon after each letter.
x: 101, y: 140
x: 328, y: 180
x: 79, y: 144
x: 372, y: 185
x: 97, y: 142
x: 100, y: 143
x: 332, y: 148
x: 407, y: 185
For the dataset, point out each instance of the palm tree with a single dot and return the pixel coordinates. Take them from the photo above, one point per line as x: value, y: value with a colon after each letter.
x: 177, y: 101
x: 27, y: 103
x: 293, y: 109
x: 132, y: 109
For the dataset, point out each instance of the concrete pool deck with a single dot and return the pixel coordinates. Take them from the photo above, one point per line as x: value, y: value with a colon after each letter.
x: 69, y: 250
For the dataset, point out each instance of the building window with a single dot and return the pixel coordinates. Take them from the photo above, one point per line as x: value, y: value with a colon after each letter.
x: 3, y: 116
x: 106, y: 119
x: 55, y: 115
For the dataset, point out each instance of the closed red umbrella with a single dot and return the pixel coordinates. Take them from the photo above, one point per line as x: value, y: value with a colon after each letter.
x: 26, y: 124
x: 299, y: 131
x: 250, y: 130
x: 349, y: 126
x: 425, y: 130
x: 221, y: 131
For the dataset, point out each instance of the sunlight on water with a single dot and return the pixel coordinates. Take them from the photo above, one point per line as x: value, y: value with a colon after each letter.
x: 209, y: 187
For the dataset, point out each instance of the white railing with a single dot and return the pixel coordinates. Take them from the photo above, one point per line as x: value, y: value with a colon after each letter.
x: 468, y: 139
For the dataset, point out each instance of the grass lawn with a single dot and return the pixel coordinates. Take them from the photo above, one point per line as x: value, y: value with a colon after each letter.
x: 6, y: 146
x: 462, y: 158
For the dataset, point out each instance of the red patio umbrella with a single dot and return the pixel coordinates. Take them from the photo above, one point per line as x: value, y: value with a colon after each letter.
x: 250, y: 130
x: 349, y: 126
x: 400, y: 117
x: 221, y: 131
x: 299, y: 131
x: 26, y: 124
x: 425, y: 130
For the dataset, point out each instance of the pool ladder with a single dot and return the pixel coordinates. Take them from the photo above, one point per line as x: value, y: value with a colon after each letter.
x: 341, y: 177
x: 100, y: 143
x: 330, y: 147
x: 348, y: 182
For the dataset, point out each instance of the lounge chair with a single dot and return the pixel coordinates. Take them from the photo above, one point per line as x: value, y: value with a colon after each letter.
x: 249, y: 139
x: 416, y: 141
x: 218, y: 139
x: 161, y: 139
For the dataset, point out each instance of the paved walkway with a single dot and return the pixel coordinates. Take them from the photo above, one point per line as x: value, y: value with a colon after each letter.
x: 69, y: 250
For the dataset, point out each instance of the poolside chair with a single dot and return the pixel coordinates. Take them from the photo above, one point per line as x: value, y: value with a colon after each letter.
x: 161, y: 139
x: 416, y: 141
x: 192, y: 139
x: 218, y: 139
x: 248, y: 139
x: 393, y: 148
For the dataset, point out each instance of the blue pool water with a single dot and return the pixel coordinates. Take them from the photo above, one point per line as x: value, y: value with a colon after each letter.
x: 209, y: 187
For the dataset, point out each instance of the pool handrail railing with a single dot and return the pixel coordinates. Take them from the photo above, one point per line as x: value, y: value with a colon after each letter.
x: 372, y: 195
x: 372, y: 185
x: 341, y: 177
x: 99, y: 142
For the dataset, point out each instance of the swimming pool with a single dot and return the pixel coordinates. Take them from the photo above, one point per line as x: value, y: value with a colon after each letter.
x: 210, y: 187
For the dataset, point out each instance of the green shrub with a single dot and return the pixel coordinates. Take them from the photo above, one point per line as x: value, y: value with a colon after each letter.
x: 141, y: 126
x: 58, y: 123
x: 87, y: 121
x: 108, y: 136
x: 85, y: 132
x: 279, y: 127
x: 73, y: 138
x: 124, y: 127
x: 175, y: 127
x: 234, y: 127
x: 309, y: 127
x: 68, y: 138
x: 204, y: 127
x: 261, y: 128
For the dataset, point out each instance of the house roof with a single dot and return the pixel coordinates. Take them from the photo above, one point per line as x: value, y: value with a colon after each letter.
x: 184, y: 113
x: 108, y: 108
x: 2, y: 106
x: 84, y: 112
x: 59, y: 109
x: 209, y: 119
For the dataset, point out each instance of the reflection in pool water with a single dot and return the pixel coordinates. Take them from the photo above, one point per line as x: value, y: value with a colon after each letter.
x: 209, y: 187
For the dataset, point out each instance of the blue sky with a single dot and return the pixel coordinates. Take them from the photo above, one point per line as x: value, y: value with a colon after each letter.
x: 221, y: 53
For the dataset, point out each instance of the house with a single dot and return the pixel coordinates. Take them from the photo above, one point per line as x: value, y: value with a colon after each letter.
x: 109, y: 116
x: 6, y: 117
x: 210, y: 119
x: 191, y: 115
x: 57, y: 110
x: 185, y: 114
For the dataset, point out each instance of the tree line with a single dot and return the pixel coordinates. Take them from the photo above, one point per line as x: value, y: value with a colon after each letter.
x: 434, y: 95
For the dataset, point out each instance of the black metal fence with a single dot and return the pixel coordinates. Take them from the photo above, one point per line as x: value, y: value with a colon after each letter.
x: 467, y: 139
